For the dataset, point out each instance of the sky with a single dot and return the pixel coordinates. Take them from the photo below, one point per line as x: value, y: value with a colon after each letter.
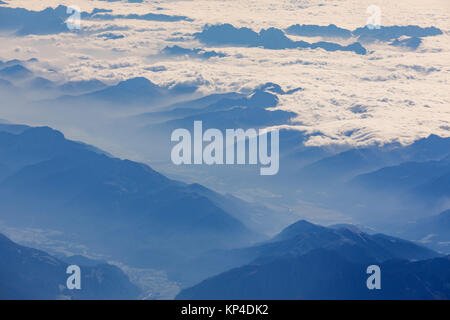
x: 399, y: 95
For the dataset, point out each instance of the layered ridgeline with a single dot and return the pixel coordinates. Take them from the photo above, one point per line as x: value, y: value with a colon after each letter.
x: 432, y: 231
x: 27, y: 273
x: 307, y: 261
x: 413, y: 180
x: 115, y: 207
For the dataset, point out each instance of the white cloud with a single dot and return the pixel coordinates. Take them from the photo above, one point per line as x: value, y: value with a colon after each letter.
x: 405, y: 94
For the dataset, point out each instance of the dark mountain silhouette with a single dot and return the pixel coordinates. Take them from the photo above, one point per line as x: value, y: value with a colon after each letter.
x: 340, y: 167
x: 249, y: 112
x: 110, y: 36
x: 24, y: 22
x: 419, y: 186
x: 365, y: 34
x: 223, y: 111
x: 214, y: 103
x: 388, y: 33
x: 24, y: 77
x: 272, y: 38
x: 324, y: 275
x: 434, y: 190
x: 53, y: 20
x: 180, y: 112
x: 147, y: 17
x: 15, y: 72
x: 13, y: 62
x: 22, y: 146
x: 307, y: 261
x: 6, y: 126
x: 192, y: 53
x: 40, y: 83
x: 119, y: 207
x: 138, y: 90
x: 354, y: 245
x: 244, y: 113
x: 303, y: 237
x: 348, y: 164
x: 408, y: 179
x: 411, y: 43
x: 403, y: 176
x: 27, y: 273
x: 131, y: 92
x: 295, y: 154
x: 308, y: 30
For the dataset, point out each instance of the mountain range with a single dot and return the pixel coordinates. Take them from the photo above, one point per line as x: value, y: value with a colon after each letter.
x: 31, y: 274
x: 271, y: 38
x: 118, y: 207
x: 307, y: 261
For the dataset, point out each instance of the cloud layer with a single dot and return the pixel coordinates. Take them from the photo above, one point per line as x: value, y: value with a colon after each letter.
x: 392, y: 93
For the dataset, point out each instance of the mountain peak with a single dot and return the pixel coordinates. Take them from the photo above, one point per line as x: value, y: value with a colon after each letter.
x: 134, y: 90
x: 138, y: 82
x: 15, y: 71
x: 299, y: 227
x: 346, y: 226
x: 43, y: 132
